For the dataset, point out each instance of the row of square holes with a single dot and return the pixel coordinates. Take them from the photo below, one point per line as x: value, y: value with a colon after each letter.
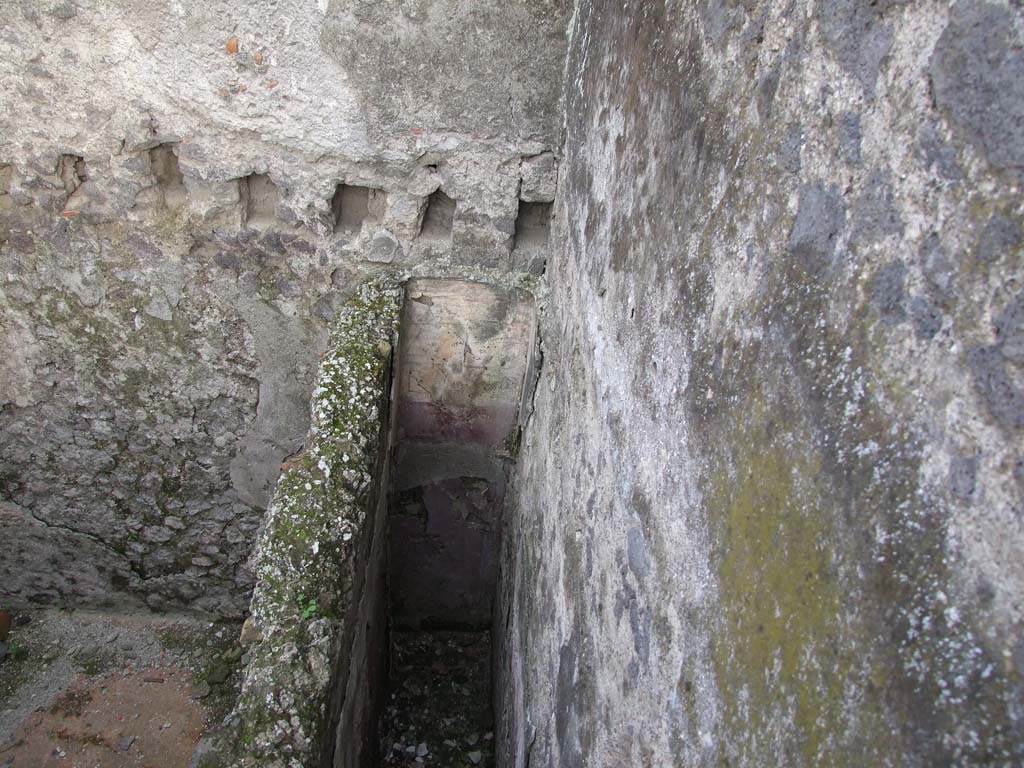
x: 351, y: 204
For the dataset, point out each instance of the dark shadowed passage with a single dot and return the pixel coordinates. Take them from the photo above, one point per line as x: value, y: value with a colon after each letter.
x: 463, y: 358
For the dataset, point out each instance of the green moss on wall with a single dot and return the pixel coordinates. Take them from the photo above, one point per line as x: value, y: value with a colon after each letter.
x: 779, y: 594
x: 310, y: 549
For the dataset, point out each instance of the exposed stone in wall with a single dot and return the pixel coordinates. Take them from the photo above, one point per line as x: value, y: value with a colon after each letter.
x: 172, y: 257
x: 317, y: 628
x: 768, y: 506
x: 48, y: 562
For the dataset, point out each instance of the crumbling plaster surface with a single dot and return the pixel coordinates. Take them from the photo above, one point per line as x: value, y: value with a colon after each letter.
x: 161, y: 315
x: 769, y: 503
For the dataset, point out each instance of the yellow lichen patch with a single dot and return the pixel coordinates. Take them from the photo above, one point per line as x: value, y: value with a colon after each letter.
x: 775, y: 652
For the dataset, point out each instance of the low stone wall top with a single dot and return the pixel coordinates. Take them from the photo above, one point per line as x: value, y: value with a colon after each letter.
x: 311, y: 551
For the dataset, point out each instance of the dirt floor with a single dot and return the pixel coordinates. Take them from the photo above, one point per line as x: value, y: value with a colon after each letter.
x: 93, y: 690
x: 438, y: 711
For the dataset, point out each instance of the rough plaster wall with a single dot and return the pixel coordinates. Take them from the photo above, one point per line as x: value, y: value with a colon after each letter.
x: 170, y: 259
x: 769, y: 502
x: 463, y: 359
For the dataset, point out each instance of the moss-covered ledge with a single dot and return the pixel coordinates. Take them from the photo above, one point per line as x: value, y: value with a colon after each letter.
x: 313, y: 550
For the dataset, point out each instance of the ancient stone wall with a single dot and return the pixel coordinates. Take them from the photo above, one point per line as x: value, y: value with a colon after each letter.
x: 188, y: 191
x: 317, y: 634
x: 769, y: 503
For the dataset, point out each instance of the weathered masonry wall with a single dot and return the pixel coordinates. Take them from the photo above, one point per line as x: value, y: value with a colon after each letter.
x: 188, y: 192
x: 769, y: 501
x: 768, y: 508
x: 463, y: 364
x: 317, y: 633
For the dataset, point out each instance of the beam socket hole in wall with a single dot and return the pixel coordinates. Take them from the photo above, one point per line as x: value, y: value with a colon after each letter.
x: 72, y: 171
x: 73, y: 174
x: 533, y: 226
x: 438, y: 217
x: 259, y: 196
x: 353, y: 205
x: 164, y: 165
